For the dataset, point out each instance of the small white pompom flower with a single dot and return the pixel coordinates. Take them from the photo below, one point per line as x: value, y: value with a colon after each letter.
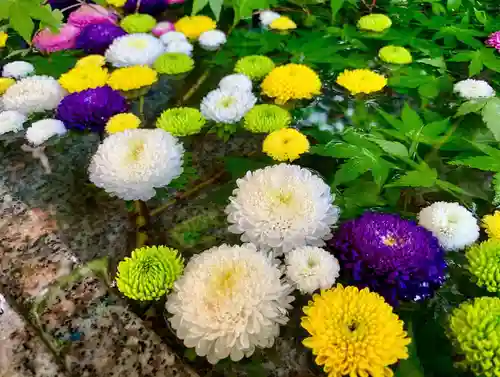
x: 134, y: 49
x: 33, y: 94
x: 211, y: 40
x: 18, y: 69
x: 230, y: 300
x: 42, y: 130
x: 311, y: 268
x: 173, y: 36
x: 282, y: 207
x: 227, y: 106
x: 236, y: 81
x: 182, y: 47
x: 267, y: 17
x: 132, y: 163
x: 453, y: 225
x: 473, y: 89
x: 11, y: 121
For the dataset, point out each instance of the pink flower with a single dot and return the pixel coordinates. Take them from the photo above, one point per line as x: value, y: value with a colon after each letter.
x: 65, y: 39
x: 91, y: 14
x: 162, y: 28
x: 494, y: 40
x: 170, y: 2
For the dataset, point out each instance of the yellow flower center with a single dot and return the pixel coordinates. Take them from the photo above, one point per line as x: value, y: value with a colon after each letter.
x: 226, y: 102
x: 138, y: 44
x: 389, y: 241
x: 136, y: 150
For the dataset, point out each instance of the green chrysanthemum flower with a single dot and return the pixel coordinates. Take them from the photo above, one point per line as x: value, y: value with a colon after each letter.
x: 483, y: 264
x: 181, y: 121
x: 149, y: 273
x: 374, y: 22
x: 254, y: 66
x: 266, y: 118
x: 138, y: 23
x: 395, y: 55
x: 475, y: 330
x: 173, y: 63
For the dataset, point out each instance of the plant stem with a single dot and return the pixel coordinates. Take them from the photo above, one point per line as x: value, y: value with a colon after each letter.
x: 141, y: 221
x: 141, y: 107
x: 195, y: 87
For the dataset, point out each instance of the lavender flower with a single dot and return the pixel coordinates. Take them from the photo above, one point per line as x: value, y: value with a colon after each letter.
x: 96, y: 38
x: 146, y: 6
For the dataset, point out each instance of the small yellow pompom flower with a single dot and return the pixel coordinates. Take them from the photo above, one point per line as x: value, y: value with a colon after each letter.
x: 492, y: 225
x: 291, y: 81
x: 361, y: 81
x: 122, y: 122
x: 286, y: 144
x: 283, y: 23
x: 6, y: 83
x: 3, y: 38
x: 354, y: 333
x: 374, y: 22
x: 130, y: 78
x: 82, y: 78
x: 395, y: 55
x: 92, y: 60
x: 193, y: 26
x: 116, y: 3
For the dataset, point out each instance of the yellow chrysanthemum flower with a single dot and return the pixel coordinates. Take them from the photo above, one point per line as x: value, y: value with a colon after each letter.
x: 82, y: 78
x: 374, y: 22
x: 3, y: 38
x: 122, y: 122
x: 354, y: 333
x: 116, y: 3
x: 283, y: 23
x: 92, y: 60
x: 395, y: 55
x: 361, y: 81
x: 130, y: 78
x: 291, y: 81
x: 491, y: 223
x: 286, y: 144
x: 6, y: 83
x: 193, y: 26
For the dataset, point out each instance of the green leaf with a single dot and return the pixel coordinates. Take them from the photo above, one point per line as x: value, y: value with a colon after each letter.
x: 352, y: 169
x: 4, y: 9
x: 435, y: 62
x: 410, y: 367
x: 481, y: 16
x: 411, y: 119
x: 47, y: 18
x: 453, y: 5
x: 239, y: 166
x: 21, y: 22
x: 491, y: 116
x: 198, y: 5
x: 380, y: 171
x: 470, y: 107
x: 486, y: 163
x: 462, y: 57
x: 216, y: 7
x: 476, y: 64
x: 335, y: 6
x: 430, y: 89
x: 336, y: 150
x: 391, y: 119
x: 435, y: 129
x: 392, y: 147
x: 423, y: 177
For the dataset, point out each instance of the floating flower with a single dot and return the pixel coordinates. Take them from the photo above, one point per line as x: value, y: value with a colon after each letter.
x: 134, y: 49
x: 282, y: 207
x: 33, y: 94
x: 266, y: 17
x: 173, y: 36
x: 193, y: 26
x: 266, y: 118
x: 149, y: 273
x: 229, y: 301
x: 392, y: 256
x: 291, y: 81
x: 354, y: 332
x: 180, y: 47
x: 96, y: 38
x: 138, y: 23
x: 91, y: 108
x: 18, y: 69
x: 283, y: 23
x: 6, y: 83
x: 236, y: 81
x: 211, y: 40
x: 483, y: 264
x: 132, y: 163
x: 476, y: 334
x: 82, y: 78
x: 227, y: 106
x: 492, y: 225
x: 473, y: 89
x: 41, y: 131
x: 254, y: 66
x: 3, y: 39
x: 395, y: 55
x: 453, y: 225
x: 88, y: 14
x: 145, y: 6
x: 163, y: 28
x: 311, y: 268
x: 46, y: 41
x: 494, y: 40
x: 11, y: 121
x: 173, y: 63
x: 130, y: 78
x: 361, y: 81
x: 181, y: 121
x: 374, y: 22
x: 122, y: 122
x: 91, y: 60
x: 286, y: 144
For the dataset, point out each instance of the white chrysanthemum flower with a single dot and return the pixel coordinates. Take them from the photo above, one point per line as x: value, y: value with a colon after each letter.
x: 267, y: 17
x: 473, y: 89
x: 33, y: 94
x: 173, y: 36
x: 282, y: 207
x: 42, y: 130
x: 11, y: 121
x: 227, y: 106
x: 182, y: 47
x: 311, y: 268
x: 453, y: 225
x: 134, y: 49
x: 230, y: 300
x: 211, y: 40
x: 132, y: 163
x: 18, y: 69
x: 236, y: 81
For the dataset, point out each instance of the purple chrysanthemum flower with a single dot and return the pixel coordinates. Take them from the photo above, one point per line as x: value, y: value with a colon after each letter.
x: 494, y: 40
x: 392, y: 256
x: 96, y: 38
x: 146, y: 6
x: 91, y: 108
